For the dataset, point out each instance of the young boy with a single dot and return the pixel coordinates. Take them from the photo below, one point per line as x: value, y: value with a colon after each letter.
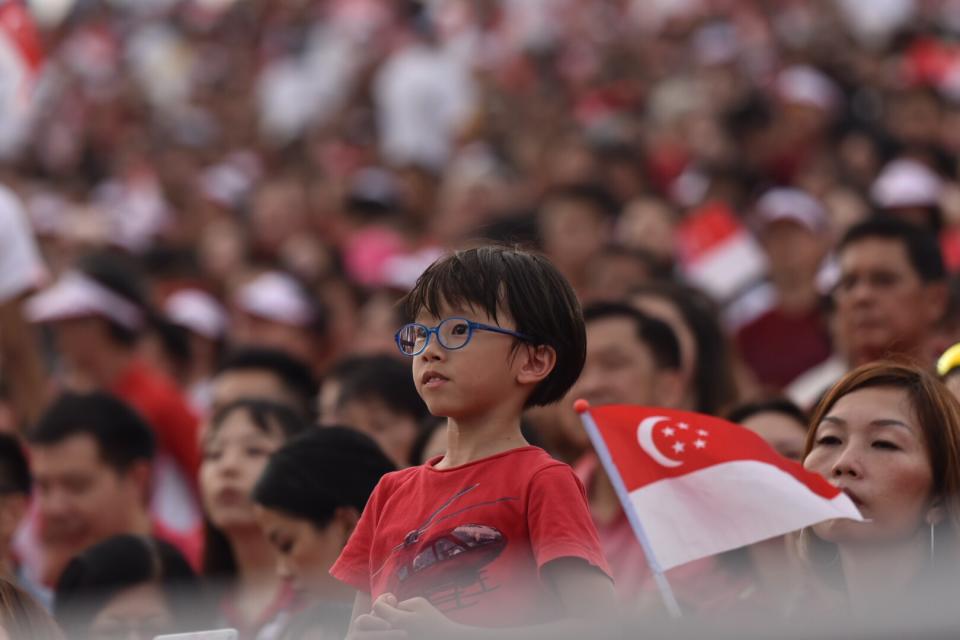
x: 495, y: 534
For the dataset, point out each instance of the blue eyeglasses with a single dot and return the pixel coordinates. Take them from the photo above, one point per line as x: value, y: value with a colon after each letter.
x: 452, y: 334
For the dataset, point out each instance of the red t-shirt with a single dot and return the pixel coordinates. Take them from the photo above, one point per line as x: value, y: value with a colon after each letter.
x: 166, y: 410
x: 472, y: 539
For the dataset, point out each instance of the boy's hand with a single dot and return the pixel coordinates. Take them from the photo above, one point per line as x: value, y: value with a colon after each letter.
x: 370, y: 627
x: 416, y: 616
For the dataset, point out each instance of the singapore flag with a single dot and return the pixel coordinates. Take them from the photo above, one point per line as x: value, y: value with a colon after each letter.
x: 697, y: 485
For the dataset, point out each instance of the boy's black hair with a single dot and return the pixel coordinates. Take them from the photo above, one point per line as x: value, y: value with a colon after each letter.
x: 524, y: 284
x: 921, y: 245
x: 14, y: 470
x: 116, y: 564
x: 294, y: 374
x: 122, y: 436
x: 657, y: 335
x: 782, y: 406
x: 320, y: 470
x: 383, y: 378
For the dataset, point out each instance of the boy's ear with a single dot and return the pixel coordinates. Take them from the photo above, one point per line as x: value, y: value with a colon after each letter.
x: 536, y: 363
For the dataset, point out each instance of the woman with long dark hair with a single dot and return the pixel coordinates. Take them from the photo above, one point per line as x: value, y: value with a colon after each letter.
x: 238, y: 560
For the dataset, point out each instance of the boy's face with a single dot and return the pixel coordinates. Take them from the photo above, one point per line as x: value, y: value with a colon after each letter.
x: 465, y: 383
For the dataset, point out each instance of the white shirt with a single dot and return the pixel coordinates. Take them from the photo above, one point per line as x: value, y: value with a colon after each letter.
x: 21, y: 267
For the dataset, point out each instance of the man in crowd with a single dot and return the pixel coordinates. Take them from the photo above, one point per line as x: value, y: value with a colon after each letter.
x: 91, y: 457
x: 265, y: 374
x: 632, y: 358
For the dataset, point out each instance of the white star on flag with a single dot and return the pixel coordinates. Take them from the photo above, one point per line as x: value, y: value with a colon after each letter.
x: 683, y: 425
x: 668, y: 431
x: 699, y: 444
x: 701, y: 432
x: 678, y: 447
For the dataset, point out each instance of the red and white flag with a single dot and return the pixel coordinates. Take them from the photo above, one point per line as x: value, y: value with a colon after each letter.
x: 699, y: 485
x: 21, y: 58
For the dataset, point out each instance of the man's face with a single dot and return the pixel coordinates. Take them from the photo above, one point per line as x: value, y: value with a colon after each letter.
x: 81, y: 499
x: 620, y: 369
x: 883, y: 306
x: 241, y: 384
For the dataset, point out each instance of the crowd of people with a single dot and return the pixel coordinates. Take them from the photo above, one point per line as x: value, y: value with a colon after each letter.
x: 296, y: 297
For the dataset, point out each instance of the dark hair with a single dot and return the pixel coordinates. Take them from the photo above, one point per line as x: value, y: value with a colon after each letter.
x: 657, y: 335
x: 592, y: 194
x: 782, y: 406
x: 320, y: 470
x: 121, y: 276
x: 713, y: 374
x: 23, y: 617
x: 218, y: 558
x: 14, y: 470
x: 497, y: 279
x: 122, y: 436
x: 108, y: 568
x: 294, y: 374
x: 921, y: 245
x: 382, y: 378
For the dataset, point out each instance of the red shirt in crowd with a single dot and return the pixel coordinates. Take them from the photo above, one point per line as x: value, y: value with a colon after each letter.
x: 779, y: 347
x: 165, y: 409
x: 472, y: 539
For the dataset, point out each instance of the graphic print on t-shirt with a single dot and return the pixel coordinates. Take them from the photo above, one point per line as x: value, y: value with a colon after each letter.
x: 448, y: 566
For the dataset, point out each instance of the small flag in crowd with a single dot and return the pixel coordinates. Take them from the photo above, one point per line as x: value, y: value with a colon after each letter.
x: 698, y: 485
x: 21, y: 58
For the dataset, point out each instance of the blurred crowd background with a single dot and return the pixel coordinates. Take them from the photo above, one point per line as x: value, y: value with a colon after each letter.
x: 211, y: 186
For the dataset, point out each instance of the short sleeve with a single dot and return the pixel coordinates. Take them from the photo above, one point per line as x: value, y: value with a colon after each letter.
x: 353, y: 565
x: 21, y: 268
x: 559, y: 521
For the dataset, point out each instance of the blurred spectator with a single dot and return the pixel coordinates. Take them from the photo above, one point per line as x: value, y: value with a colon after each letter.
x: 275, y: 311
x: 254, y: 373
x: 791, y: 337
x: 87, y: 451
x: 574, y: 223
x: 238, y: 560
x: 22, y: 617
x: 704, y: 351
x: 206, y: 323
x: 778, y: 421
x: 632, y: 358
x: 948, y: 367
x: 378, y: 397
x: 128, y: 587
x: 892, y: 290
x: 99, y: 313
x: 14, y: 499
x: 309, y: 499
x: 23, y: 271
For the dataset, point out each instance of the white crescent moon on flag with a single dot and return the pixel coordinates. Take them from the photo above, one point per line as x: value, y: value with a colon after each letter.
x: 645, y: 438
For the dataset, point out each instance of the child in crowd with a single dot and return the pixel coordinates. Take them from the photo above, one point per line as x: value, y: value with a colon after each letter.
x: 495, y: 533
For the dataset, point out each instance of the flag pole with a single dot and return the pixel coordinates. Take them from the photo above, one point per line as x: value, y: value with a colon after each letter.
x: 666, y: 592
